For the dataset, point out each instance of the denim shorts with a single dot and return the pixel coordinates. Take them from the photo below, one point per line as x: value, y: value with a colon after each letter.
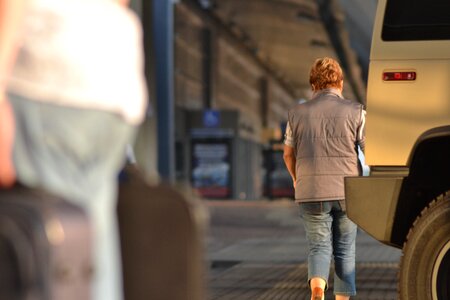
x: 76, y: 154
x: 330, y: 234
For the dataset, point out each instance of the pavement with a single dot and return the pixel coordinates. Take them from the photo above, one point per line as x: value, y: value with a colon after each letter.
x: 258, y: 250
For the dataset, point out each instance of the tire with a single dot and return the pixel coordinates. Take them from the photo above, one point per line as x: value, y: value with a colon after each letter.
x: 425, y: 265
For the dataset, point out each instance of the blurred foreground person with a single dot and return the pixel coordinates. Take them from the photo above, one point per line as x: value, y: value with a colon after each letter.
x: 320, y: 149
x: 72, y: 93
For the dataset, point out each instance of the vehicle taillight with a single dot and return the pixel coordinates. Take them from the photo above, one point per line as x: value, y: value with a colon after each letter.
x: 399, y: 76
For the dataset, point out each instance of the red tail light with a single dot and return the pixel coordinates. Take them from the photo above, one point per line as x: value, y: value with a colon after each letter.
x: 399, y: 76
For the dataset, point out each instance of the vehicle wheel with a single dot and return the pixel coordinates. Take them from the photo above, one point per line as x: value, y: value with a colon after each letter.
x: 425, y: 264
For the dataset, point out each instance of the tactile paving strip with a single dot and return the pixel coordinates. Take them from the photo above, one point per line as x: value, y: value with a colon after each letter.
x: 277, y: 281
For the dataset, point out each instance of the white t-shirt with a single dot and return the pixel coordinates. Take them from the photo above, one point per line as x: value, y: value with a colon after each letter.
x: 82, y: 53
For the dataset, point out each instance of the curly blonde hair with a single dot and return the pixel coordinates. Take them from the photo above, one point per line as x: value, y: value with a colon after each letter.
x: 325, y: 73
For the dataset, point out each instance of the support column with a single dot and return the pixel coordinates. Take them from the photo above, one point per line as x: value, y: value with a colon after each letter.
x: 163, y: 27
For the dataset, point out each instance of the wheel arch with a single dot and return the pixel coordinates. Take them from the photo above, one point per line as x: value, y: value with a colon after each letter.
x: 429, y: 177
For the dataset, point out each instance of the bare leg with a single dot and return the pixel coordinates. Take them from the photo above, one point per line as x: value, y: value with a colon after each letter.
x: 317, y: 283
x: 342, y: 297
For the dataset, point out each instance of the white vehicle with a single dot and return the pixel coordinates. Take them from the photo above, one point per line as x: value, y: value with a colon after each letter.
x: 405, y: 202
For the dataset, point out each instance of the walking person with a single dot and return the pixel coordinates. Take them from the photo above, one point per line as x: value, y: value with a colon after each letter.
x: 321, y: 141
x: 72, y: 93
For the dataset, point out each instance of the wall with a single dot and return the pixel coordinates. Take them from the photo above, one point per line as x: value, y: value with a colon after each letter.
x: 214, y: 71
x: 237, y: 80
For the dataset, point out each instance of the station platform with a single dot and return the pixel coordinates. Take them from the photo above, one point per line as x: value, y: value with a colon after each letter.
x: 258, y: 250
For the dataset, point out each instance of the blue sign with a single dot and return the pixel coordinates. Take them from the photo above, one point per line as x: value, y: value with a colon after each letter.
x: 211, y: 118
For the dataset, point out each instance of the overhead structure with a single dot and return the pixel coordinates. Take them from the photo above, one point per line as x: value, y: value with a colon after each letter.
x: 288, y: 35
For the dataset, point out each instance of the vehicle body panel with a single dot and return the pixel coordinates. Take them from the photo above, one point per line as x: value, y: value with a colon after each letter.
x: 398, y: 112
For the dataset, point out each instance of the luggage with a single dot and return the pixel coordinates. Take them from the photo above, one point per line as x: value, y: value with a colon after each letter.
x: 45, y: 247
x: 162, y: 240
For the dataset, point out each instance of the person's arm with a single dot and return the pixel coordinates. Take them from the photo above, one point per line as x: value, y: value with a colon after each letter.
x: 11, y: 18
x: 360, y: 137
x: 289, y: 160
x: 123, y: 2
x: 289, y: 152
x: 7, y: 172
